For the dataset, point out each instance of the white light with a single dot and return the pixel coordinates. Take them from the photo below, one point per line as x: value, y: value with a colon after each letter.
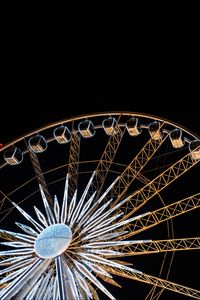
x: 53, y: 241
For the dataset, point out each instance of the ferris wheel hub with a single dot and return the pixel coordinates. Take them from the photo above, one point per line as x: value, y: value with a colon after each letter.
x: 53, y: 241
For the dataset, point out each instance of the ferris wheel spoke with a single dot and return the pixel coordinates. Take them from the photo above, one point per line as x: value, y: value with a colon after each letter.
x: 133, y: 170
x: 45, y: 285
x: 163, y: 214
x: 39, y: 174
x: 77, y: 210
x: 67, y: 288
x: 49, y: 213
x: 87, y: 274
x: 32, y: 281
x: 157, y: 246
x: 2, y: 201
x: 155, y: 281
x: 106, y: 161
x: 49, y: 289
x: 17, y: 265
x: 73, y: 163
x: 62, y: 278
x: 93, y: 211
x: 83, y: 283
x: 26, y: 280
x: 64, y: 209
x: 141, y: 197
x: 34, y: 290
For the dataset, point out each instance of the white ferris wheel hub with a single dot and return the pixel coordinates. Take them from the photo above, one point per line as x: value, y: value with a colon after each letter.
x: 53, y: 241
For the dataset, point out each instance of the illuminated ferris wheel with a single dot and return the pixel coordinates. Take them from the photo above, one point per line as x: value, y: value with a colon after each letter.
x: 92, y: 202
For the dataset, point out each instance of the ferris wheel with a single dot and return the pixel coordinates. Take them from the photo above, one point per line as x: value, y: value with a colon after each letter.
x: 97, y: 207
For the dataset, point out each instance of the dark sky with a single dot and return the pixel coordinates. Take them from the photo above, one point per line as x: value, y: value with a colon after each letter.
x: 60, y: 62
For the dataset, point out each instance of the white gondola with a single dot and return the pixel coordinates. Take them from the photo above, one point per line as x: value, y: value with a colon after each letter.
x: 13, y: 156
x: 176, y: 138
x: 155, y: 131
x: 62, y: 134
x: 110, y: 126
x: 86, y: 129
x: 133, y: 126
x: 194, y: 148
x: 37, y: 143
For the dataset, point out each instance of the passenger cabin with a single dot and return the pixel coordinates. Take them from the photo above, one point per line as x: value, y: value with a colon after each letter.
x: 194, y: 148
x: 13, y: 155
x: 110, y: 126
x: 133, y: 127
x: 86, y: 129
x: 37, y: 143
x: 155, y: 131
x: 176, y: 138
x: 62, y: 134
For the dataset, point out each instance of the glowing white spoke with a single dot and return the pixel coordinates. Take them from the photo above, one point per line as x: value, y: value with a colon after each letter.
x: 106, y: 222
x: 17, y: 265
x: 27, y: 229
x: 107, y: 190
x: 113, y: 244
x: 71, y: 206
x: 29, y: 218
x: 65, y: 199
x: 40, y: 216
x: 12, y: 260
x: 83, y: 270
x: 101, y: 260
x: 48, y: 295
x: 90, y: 224
x: 108, y: 236
x: 66, y: 284
x: 22, y: 251
x: 50, y: 216
x: 31, y: 295
x: 71, y: 286
x: 43, y: 285
x: 78, y: 207
x: 62, y: 278
x: 26, y: 280
x: 83, y: 284
x: 93, y: 208
x: 98, y: 217
x: 20, y: 236
x: 104, y: 215
x: 99, y: 211
x: 55, y: 288
x: 97, y: 269
x: 113, y: 227
x: 104, y: 252
x: 56, y: 209
x: 16, y: 244
x: 86, y: 206
x: 13, y: 275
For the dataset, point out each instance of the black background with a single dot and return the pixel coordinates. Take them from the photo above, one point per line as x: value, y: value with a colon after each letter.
x: 64, y: 61
x: 60, y: 61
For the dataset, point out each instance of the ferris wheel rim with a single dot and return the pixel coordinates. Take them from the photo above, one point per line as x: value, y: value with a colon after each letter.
x: 97, y: 114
